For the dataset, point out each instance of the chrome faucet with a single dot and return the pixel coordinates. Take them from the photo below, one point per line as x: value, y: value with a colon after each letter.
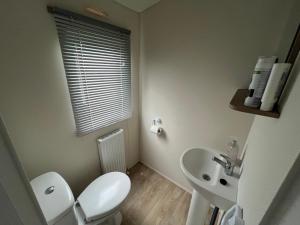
x: 228, y: 165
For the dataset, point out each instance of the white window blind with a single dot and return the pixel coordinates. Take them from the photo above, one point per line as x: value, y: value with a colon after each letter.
x: 97, y: 63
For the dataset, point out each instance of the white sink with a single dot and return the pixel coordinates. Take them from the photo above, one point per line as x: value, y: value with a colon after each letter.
x: 204, y: 175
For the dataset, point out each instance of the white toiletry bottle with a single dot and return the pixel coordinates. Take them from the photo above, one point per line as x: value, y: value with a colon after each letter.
x: 259, y: 81
x: 275, y: 85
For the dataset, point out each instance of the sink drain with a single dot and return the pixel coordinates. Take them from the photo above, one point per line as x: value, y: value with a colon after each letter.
x: 206, y: 177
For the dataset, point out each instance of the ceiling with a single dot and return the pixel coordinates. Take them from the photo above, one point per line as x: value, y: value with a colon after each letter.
x: 137, y: 5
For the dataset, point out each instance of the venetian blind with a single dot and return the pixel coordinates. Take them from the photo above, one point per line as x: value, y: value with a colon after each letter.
x: 96, y: 58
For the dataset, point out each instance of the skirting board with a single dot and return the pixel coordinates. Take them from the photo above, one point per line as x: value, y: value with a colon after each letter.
x: 171, y: 180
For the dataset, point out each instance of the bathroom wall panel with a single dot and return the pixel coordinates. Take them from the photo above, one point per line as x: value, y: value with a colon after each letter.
x: 194, y: 55
x: 273, y: 147
x: 34, y: 98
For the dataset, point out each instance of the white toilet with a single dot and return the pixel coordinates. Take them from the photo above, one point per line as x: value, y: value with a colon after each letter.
x: 98, y: 204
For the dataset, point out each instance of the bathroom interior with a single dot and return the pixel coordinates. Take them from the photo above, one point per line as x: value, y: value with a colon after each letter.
x: 150, y: 112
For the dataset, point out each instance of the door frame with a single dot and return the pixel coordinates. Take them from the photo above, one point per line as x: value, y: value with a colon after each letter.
x: 18, y: 204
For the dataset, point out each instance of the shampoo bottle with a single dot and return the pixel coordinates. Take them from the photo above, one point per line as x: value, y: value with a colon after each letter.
x: 275, y: 85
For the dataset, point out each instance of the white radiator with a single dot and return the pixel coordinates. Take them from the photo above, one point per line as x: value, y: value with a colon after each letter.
x: 112, y: 152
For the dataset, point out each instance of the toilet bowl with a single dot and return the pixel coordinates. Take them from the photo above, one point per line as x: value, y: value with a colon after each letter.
x: 98, y: 204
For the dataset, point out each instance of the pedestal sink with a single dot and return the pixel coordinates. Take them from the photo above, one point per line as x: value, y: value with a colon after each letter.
x: 204, y: 176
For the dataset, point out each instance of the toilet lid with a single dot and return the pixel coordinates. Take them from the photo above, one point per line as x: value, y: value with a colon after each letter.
x: 104, y: 195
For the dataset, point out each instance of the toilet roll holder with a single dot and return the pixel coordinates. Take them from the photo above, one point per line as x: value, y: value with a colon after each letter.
x: 156, y: 126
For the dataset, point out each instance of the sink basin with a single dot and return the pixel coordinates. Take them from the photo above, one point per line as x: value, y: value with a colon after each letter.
x: 204, y: 175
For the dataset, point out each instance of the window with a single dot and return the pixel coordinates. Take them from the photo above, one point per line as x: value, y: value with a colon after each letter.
x: 97, y: 63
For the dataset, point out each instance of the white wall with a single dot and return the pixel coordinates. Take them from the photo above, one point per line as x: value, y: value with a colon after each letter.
x: 285, y: 208
x: 34, y: 98
x: 288, y: 210
x: 194, y: 55
x: 273, y: 146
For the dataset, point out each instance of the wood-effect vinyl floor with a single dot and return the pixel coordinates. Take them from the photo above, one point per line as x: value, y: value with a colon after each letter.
x: 154, y: 200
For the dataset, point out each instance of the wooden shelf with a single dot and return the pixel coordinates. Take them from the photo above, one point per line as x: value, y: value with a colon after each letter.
x: 237, y: 103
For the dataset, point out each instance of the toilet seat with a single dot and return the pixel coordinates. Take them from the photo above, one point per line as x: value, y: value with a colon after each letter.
x: 104, y: 195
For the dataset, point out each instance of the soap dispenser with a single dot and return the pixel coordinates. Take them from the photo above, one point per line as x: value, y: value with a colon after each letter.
x: 233, y: 150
